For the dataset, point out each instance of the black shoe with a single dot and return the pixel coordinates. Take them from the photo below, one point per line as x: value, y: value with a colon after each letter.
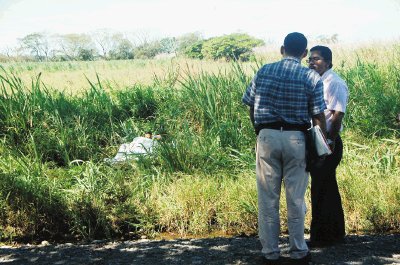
x: 306, y: 260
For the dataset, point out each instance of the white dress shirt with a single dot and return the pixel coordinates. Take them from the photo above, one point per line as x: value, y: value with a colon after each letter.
x: 336, y: 95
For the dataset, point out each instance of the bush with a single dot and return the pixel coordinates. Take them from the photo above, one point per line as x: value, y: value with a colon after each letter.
x: 230, y: 47
x: 148, y: 50
x: 194, y: 50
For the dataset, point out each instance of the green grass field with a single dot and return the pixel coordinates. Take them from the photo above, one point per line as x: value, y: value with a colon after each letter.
x: 58, y: 121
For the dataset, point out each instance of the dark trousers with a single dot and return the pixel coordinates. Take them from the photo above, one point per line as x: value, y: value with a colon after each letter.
x: 327, y: 224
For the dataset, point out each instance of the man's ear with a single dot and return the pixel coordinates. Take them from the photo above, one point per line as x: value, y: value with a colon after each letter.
x: 282, y: 50
x: 304, y: 54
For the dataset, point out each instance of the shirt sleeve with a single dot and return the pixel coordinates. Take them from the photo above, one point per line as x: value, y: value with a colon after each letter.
x: 337, y: 96
x: 249, y: 95
x: 317, y: 102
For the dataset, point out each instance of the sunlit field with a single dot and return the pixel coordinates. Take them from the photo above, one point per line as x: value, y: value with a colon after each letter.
x: 59, y: 121
x: 71, y: 77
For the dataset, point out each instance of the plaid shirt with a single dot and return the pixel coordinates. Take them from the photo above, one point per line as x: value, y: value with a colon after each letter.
x: 285, y: 91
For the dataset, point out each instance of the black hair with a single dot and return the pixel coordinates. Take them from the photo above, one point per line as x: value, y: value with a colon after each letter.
x: 295, y: 44
x: 325, y: 52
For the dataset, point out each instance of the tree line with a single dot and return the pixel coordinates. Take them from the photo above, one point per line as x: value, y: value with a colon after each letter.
x: 110, y: 45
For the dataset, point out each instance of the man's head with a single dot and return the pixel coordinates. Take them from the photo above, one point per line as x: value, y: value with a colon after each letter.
x: 320, y: 59
x: 295, y: 44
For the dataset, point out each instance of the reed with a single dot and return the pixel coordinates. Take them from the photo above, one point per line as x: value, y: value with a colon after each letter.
x: 200, y: 180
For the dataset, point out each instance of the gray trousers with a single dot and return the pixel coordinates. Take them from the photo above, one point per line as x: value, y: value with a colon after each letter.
x: 281, y: 156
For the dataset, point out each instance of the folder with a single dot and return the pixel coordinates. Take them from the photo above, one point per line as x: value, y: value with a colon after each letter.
x: 318, y: 142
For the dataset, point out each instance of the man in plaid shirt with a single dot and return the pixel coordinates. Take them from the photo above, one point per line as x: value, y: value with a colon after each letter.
x: 284, y: 97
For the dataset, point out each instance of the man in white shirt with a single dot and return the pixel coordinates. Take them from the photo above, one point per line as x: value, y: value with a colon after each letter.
x: 327, y: 225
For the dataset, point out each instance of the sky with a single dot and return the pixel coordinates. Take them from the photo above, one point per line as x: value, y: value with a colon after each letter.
x: 353, y: 20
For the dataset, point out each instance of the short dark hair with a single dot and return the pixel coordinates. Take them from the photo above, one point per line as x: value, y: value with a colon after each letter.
x: 325, y: 53
x: 295, y: 44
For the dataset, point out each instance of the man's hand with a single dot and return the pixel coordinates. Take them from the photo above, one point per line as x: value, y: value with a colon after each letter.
x: 319, y: 119
x: 336, y: 124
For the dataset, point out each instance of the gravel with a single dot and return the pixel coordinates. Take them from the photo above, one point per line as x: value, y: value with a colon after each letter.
x: 358, y: 249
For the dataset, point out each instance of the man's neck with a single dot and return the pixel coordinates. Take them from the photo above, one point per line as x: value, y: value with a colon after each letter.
x: 286, y: 56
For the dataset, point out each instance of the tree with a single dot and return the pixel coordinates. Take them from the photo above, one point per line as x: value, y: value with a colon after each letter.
x: 235, y: 46
x: 8, y: 51
x: 187, y: 40
x: 324, y: 39
x: 37, y: 44
x: 123, y: 50
x: 73, y: 46
x: 107, y: 41
x: 194, y: 50
x: 86, y: 54
x: 168, y: 45
x: 147, y: 50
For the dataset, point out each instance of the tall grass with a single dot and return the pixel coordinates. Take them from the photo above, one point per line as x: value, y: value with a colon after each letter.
x: 374, y: 98
x: 369, y: 179
x: 70, y: 76
x: 54, y: 184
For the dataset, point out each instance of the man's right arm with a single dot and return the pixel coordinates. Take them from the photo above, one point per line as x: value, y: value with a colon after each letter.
x: 319, y: 119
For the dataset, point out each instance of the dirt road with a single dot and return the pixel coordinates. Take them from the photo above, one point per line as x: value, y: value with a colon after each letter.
x: 366, y: 249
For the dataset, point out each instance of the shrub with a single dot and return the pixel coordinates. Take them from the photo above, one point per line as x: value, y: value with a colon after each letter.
x: 194, y: 50
x: 230, y: 47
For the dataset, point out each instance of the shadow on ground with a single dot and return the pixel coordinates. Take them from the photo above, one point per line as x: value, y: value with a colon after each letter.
x: 366, y: 249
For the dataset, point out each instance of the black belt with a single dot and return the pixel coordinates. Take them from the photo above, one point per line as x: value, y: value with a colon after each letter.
x: 282, y: 126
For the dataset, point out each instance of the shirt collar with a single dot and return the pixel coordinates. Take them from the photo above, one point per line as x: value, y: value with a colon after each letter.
x: 292, y: 58
x: 327, y: 72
